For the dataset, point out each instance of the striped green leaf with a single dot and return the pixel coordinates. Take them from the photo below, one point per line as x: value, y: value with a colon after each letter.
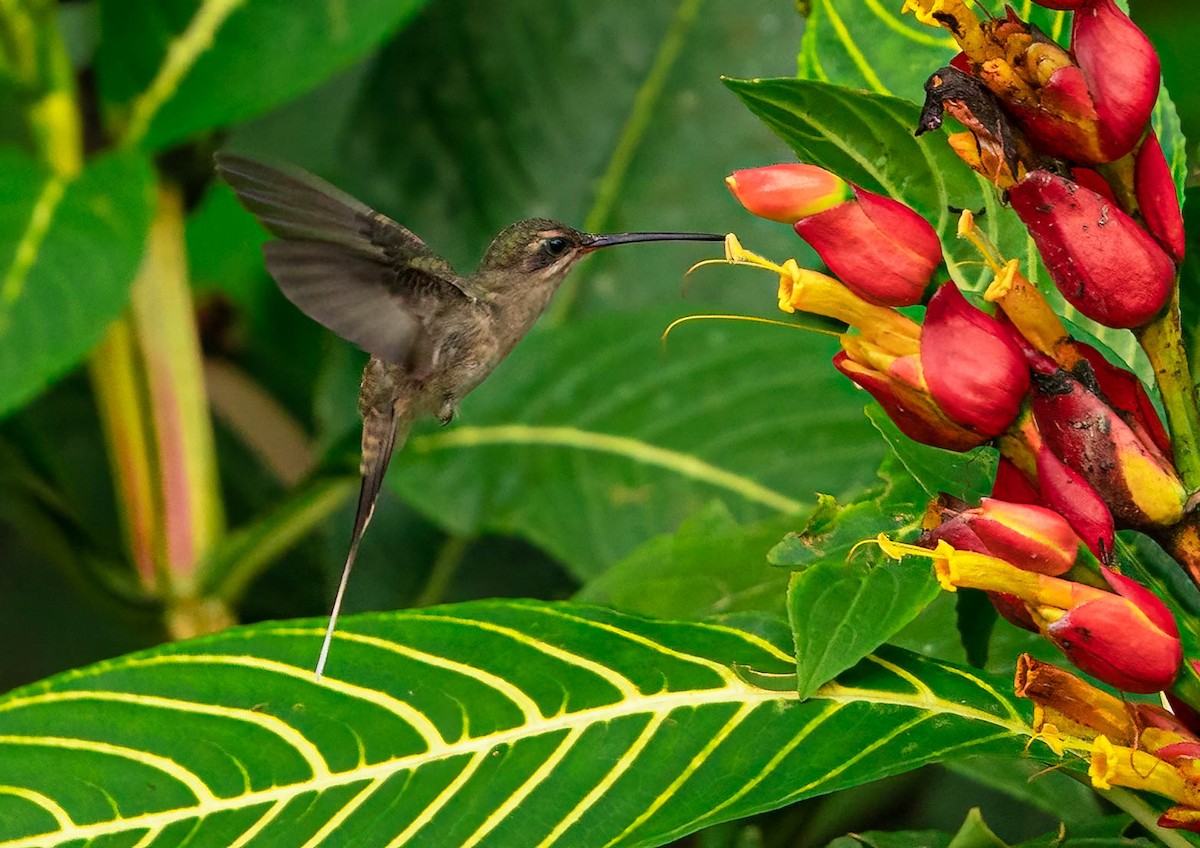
x: 492, y: 723
x: 68, y: 252
x: 173, y: 69
x: 842, y: 44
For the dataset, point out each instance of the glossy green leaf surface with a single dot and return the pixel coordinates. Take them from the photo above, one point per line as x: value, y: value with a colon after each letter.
x: 590, y: 439
x: 845, y: 599
x: 493, y: 723
x: 69, y: 250
x: 166, y: 67
x: 967, y: 475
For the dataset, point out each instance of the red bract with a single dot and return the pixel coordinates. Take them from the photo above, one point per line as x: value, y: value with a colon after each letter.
x: 1122, y: 73
x: 1105, y: 265
x: 1030, y: 537
x: 1157, y: 197
x: 882, y: 250
x: 973, y: 367
x: 1128, y: 640
x: 1136, y: 481
x: 1126, y: 394
x: 912, y: 411
x: 879, y: 248
x: 1067, y: 493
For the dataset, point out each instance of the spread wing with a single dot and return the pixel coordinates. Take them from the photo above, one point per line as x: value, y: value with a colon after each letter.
x: 343, y: 264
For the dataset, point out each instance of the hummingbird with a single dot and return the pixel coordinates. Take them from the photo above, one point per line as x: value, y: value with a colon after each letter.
x: 432, y: 334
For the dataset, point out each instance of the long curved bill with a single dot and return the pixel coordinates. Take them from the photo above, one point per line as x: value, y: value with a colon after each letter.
x: 597, y: 242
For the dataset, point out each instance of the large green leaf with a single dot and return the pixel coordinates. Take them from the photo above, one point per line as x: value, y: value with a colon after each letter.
x: 494, y: 723
x: 591, y: 440
x: 68, y: 253
x: 175, y: 68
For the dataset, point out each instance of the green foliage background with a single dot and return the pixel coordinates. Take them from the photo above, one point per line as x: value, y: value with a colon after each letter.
x: 456, y: 117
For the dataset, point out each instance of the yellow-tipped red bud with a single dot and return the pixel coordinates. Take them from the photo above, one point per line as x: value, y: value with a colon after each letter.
x: 788, y: 192
x: 1137, y: 483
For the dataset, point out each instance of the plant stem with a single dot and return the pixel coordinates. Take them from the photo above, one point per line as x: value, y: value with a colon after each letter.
x: 163, y: 321
x: 448, y: 560
x: 1162, y: 340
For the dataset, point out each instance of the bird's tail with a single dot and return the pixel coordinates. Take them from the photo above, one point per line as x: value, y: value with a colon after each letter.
x: 382, y: 434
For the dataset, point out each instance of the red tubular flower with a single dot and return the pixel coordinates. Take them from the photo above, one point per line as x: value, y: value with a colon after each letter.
x: 883, y: 251
x: 1105, y: 265
x: 1125, y: 637
x: 973, y: 366
x: 1135, y: 480
x: 1122, y: 72
x: 1128, y: 639
x: 1158, y: 198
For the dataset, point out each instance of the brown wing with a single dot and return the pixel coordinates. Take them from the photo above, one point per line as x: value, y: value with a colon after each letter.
x: 346, y: 266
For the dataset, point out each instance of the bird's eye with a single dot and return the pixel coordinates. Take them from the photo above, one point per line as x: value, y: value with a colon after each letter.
x: 556, y: 245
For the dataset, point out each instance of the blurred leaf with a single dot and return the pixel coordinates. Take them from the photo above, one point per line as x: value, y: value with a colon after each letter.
x: 68, y: 253
x: 180, y: 67
x: 709, y: 566
x: 588, y: 442
x: 1052, y: 791
x: 894, y: 839
x: 975, y: 833
x: 506, y: 111
x: 531, y: 721
x: 844, y: 603
x: 967, y: 475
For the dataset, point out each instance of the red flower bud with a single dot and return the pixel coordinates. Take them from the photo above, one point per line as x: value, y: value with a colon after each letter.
x: 1105, y: 265
x: 1030, y: 537
x: 1067, y: 493
x: 882, y: 250
x: 1135, y: 480
x: 972, y: 364
x: 789, y: 192
x: 1158, y: 198
x: 1122, y: 72
x: 1128, y: 639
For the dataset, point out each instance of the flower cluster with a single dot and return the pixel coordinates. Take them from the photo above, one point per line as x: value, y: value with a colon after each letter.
x: 1064, y: 135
